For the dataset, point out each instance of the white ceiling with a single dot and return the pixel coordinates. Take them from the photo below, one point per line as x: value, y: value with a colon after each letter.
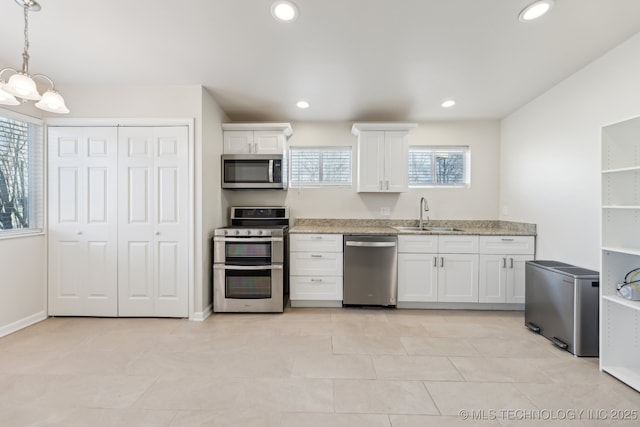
x: 350, y: 59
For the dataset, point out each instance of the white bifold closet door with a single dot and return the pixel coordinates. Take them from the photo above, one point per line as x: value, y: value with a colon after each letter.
x: 153, y: 209
x: 118, y: 221
x: 83, y: 221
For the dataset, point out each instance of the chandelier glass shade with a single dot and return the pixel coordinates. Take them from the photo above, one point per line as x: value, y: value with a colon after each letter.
x: 21, y: 85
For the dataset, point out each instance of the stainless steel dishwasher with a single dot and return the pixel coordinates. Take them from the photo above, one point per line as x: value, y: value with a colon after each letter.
x: 370, y: 270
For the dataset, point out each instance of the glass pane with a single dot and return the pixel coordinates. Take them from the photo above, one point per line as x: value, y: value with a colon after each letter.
x: 14, y: 174
x: 320, y: 166
x: 248, y: 284
x: 246, y: 171
x: 248, y: 249
x: 449, y: 168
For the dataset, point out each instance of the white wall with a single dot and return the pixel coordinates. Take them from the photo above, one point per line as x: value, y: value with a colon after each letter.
x: 213, y: 212
x: 22, y: 282
x: 478, y: 202
x: 550, y: 154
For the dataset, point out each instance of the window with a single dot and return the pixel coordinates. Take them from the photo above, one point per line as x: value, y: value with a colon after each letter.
x: 21, y: 169
x: 320, y: 166
x: 439, y: 166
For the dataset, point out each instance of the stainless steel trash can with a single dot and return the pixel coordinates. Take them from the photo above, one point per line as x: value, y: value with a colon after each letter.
x: 561, y: 303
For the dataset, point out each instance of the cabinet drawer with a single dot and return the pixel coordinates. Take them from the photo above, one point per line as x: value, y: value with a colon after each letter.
x: 417, y: 244
x: 321, y: 288
x: 315, y: 242
x: 315, y: 264
x: 458, y: 244
x: 524, y: 245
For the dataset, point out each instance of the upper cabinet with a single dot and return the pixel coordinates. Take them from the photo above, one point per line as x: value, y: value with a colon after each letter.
x: 383, y: 150
x: 256, y: 138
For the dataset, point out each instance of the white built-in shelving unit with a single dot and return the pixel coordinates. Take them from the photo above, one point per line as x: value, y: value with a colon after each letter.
x: 620, y: 317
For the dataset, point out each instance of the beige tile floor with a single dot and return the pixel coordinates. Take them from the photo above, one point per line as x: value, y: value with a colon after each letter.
x: 306, y: 367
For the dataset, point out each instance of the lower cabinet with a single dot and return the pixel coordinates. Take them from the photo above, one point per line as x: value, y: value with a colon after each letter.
x: 502, y: 278
x: 426, y: 275
x: 502, y: 268
x: 315, y: 268
x: 463, y: 269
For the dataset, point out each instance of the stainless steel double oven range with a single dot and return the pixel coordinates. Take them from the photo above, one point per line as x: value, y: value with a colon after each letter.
x: 250, y: 271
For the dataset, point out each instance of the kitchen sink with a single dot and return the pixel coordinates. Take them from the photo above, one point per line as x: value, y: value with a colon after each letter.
x: 416, y: 228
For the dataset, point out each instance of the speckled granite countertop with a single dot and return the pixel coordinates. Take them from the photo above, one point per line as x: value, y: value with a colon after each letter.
x: 378, y: 226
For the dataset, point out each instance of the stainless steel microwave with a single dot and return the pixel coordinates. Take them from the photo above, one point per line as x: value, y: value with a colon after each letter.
x: 254, y: 171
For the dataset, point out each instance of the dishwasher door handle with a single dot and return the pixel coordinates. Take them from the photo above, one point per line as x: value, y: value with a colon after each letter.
x: 370, y: 244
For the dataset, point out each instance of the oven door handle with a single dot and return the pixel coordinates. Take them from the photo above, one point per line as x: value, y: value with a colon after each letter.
x: 248, y: 239
x: 248, y: 267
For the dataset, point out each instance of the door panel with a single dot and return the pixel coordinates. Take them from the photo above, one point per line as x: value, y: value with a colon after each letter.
x: 153, y: 168
x: 82, y: 194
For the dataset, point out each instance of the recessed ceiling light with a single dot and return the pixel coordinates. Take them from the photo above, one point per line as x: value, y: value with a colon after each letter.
x: 302, y: 104
x: 535, y: 10
x: 284, y: 11
x: 448, y: 103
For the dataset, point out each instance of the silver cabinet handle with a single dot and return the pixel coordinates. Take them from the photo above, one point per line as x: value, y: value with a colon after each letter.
x: 316, y: 256
x: 507, y: 239
x: 387, y: 184
x: 381, y: 185
x: 316, y: 280
x: 511, y: 262
x: 435, y: 261
x: 442, y: 262
x: 79, y: 233
x: 504, y: 263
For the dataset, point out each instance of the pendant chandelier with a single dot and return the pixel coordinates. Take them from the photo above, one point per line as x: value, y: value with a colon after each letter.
x: 21, y: 85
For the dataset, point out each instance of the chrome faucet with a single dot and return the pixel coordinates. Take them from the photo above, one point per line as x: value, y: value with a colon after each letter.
x: 423, y: 201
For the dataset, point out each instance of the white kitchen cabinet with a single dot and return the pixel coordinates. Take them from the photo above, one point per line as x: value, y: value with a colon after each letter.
x: 118, y: 221
x: 502, y: 268
x: 426, y: 274
x: 315, y: 268
x: 255, y: 138
x: 620, y: 252
x: 383, y: 150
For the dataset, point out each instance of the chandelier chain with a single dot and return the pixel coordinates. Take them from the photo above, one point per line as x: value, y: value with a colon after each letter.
x: 25, y: 54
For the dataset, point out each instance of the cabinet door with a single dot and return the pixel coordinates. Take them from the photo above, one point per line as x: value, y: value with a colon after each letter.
x: 516, y: 277
x: 238, y: 142
x: 396, y: 156
x: 153, y: 222
x: 315, y: 242
x: 371, y: 161
x: 268, y: 142
x: 458, y: 278
x: 82, y: 197
x: 492, y: 285
x: 417, y: 277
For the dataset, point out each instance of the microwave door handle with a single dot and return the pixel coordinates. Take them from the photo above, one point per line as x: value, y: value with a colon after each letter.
x: 270, y: 170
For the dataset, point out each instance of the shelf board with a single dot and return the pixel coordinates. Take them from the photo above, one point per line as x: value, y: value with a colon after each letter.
x: 618, y: 170
x: 629, y: 207
x: 635, y: 305
x: 629, y: 376
x: 622, y: 250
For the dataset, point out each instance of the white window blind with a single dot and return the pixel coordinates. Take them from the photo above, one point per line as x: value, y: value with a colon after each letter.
x: 438, y: 166
x: 21, y: 175
x: 320, y: 166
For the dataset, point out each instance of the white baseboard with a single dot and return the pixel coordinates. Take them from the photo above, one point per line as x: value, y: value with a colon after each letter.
x: 200, y: 316
x: 22, y: 323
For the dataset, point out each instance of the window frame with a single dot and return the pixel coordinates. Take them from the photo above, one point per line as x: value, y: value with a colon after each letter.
x: 37, y: 178
x: 321, y: 148
x: 465, y: 149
